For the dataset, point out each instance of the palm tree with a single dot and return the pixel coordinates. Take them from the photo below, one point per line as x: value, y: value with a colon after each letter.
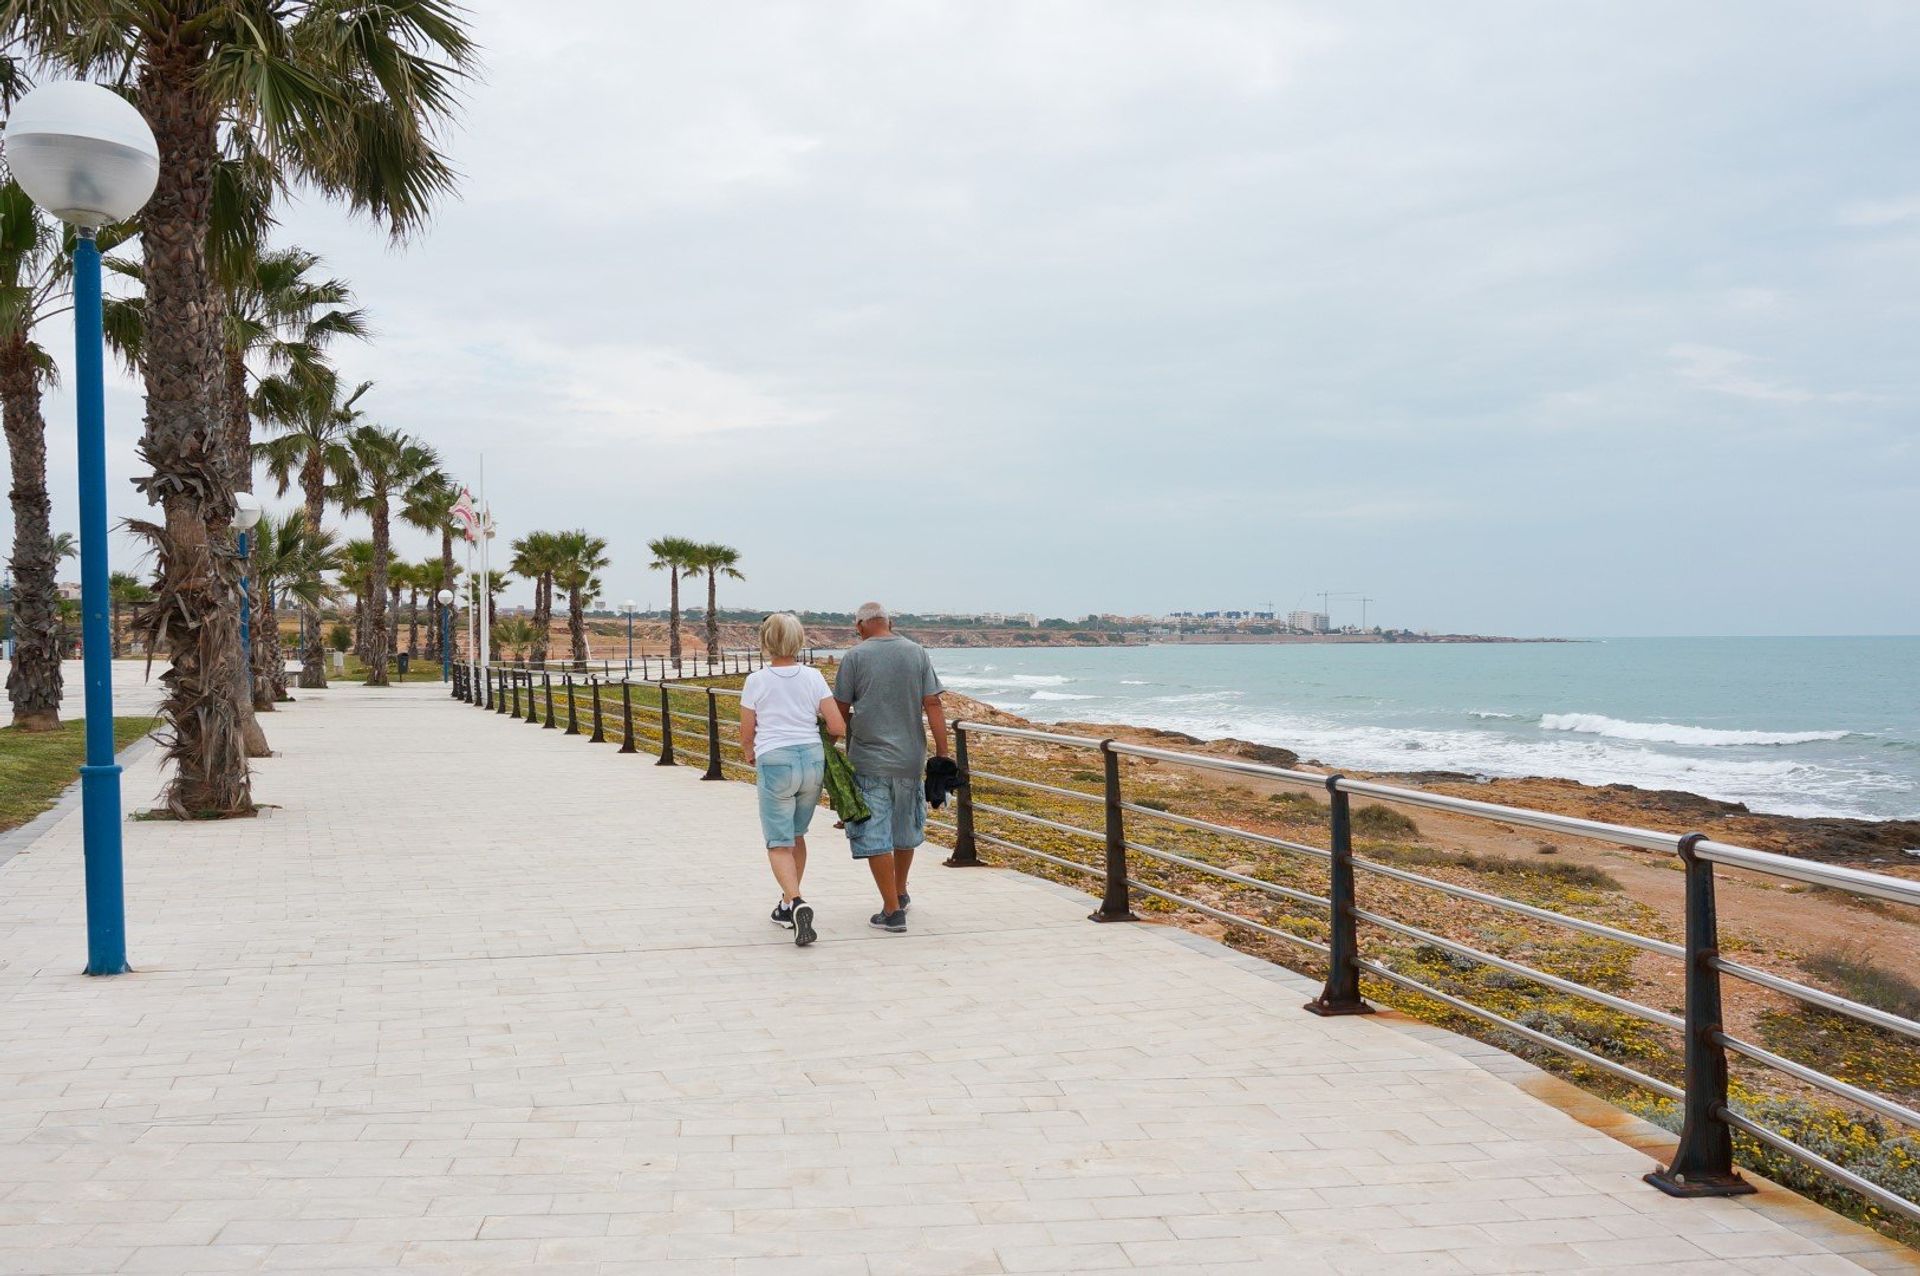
x: 337, y: 96
x: 497, y: 582
x: 291, y: 561
x: 124, y: 589
x: 715, y: 560
x: 356, y: 575
x: 29, y: 290
x: 377, y: 465
x: 307, y: 406
x: 66, y: 545
x: 538, y: 557
x: 675, y: 556
x: 428, y: 505
x: 514, y: 634
x: 579, y: 557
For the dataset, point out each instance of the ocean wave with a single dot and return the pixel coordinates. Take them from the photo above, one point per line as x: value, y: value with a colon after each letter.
x: 1135, y: 682
x: 1060, y: 695
x: 1489, y: 713
x: 1041, y: 679
x: 1677, y: 733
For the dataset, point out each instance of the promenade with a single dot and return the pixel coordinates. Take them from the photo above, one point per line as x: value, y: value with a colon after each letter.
x: 475, y: 997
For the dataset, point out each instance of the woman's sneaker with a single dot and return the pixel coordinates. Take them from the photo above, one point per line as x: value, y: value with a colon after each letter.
x: 896, y: 921
x: 905, y: 899
x: 802, y: 923
x: 783, y: 914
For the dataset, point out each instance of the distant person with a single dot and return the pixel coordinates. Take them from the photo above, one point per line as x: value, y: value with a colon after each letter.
x: 781, y: 708
x: 886, y: 687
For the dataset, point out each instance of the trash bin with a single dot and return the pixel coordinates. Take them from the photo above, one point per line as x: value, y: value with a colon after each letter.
x: 406, y: 658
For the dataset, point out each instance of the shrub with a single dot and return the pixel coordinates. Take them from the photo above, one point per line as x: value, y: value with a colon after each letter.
x: 340, y: 637
x: 1853, y: 971
x: 1383, y: 821
x: 1498, y: 866
x: 1152, y: 804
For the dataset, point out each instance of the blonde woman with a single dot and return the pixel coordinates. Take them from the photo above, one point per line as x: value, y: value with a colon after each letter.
x: 780, y: 711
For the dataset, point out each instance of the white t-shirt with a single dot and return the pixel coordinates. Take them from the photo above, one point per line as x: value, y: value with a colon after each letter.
x: 785, y: 704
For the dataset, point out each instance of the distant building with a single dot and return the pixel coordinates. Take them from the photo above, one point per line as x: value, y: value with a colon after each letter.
x: 68, y: 591
x: 1313, y: 622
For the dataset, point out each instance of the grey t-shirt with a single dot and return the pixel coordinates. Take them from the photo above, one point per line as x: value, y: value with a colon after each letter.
x: 884, y: 680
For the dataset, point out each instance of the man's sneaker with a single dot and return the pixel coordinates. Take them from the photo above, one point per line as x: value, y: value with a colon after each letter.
x: 896, y: 921
x: 783, y: 914
x: 905, y: 899
x: 802, y: 923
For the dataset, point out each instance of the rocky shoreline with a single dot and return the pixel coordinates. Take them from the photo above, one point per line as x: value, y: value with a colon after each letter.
x: 1880, y: 845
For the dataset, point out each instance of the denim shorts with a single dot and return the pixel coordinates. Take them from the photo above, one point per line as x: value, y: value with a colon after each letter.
x: 789, y: 782
x: 899, y: 820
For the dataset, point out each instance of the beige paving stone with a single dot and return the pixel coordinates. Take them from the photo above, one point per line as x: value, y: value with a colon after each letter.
x: 471, y: 997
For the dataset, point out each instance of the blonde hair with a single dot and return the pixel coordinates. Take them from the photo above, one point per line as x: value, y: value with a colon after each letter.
x: 781, y: 635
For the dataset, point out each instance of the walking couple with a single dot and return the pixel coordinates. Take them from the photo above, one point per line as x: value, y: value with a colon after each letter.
x: 885, y: 686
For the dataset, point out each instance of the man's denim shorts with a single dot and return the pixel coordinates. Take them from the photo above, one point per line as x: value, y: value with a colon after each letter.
x: 789, y: 781
x: 899, y: 820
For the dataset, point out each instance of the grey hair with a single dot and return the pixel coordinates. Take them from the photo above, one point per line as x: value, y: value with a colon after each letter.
x: 871, y: 611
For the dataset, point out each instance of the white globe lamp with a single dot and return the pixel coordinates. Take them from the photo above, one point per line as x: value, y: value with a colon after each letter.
x: 82, y: 152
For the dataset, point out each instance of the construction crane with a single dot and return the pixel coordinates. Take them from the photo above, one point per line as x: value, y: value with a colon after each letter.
x: 1363, y: 613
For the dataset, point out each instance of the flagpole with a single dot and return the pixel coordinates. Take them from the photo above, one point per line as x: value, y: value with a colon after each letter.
x: 486, y: 572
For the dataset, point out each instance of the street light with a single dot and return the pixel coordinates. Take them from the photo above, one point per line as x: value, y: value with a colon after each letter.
x: 446, y: 634
x: 627, y: 607
x: 246, y: 512
x: 85, y: 155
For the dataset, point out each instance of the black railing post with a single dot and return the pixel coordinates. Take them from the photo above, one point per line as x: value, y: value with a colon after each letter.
x: 1115, y: 905
x: 599, y: 736
x: 1703, y: 1163
x: 666, y: 724
x: 573, y: 714
x: 713, y: 737
x: 965, y: 855
x: 1341, y: 996
x: 626, y: 717
x: 533, y: 701
x: 546, y: 685
x: 498, y: 703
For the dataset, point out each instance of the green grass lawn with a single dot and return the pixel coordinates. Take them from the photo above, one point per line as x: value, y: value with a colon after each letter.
x: 35, y: 767
x: 423, y: 670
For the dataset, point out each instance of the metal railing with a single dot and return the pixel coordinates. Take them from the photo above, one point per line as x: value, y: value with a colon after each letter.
x: 1702, y: 1164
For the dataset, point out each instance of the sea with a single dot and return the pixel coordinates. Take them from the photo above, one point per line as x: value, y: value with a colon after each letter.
x: 1788, y: 726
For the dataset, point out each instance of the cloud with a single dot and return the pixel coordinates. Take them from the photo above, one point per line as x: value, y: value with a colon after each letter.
x: 1875, y: 213
x: 1117, y: 304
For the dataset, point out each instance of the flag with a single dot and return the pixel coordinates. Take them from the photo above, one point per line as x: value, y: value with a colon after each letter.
x: 463, y: 510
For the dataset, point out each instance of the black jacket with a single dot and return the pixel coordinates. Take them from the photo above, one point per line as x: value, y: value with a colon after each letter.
x: 943, y: 777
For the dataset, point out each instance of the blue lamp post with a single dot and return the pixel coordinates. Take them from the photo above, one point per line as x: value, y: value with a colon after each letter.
x: 246, y: 512
x: 446, y: 634
x: 85, y: 155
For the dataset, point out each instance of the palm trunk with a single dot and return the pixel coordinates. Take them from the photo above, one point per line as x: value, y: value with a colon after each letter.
x: 713, y: 619
x: 113, y: 625
x: 377, y: 645
x: 673, y: 616
x: 269, y: 665
x: 577, y: 628
x: 34, y: 683
x: 313, y: 641
x: 192, y: 478
x: 413, y: 621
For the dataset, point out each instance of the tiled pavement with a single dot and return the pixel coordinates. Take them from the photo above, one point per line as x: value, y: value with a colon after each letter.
x: 476, y: 997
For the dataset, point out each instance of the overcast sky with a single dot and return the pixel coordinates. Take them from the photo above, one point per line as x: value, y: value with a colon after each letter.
x: 1536, y: 319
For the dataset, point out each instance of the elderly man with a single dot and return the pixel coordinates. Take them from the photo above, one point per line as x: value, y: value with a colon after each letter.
x: 886, y: 684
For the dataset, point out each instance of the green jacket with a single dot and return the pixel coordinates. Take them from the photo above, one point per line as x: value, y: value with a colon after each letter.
x: 842, y: 796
